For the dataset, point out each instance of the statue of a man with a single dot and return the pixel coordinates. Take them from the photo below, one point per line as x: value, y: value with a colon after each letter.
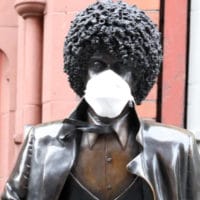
x: 112, y: 55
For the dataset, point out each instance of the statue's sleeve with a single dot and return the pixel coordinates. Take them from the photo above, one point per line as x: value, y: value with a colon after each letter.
x: 193, y: 183
x: 16, y: 186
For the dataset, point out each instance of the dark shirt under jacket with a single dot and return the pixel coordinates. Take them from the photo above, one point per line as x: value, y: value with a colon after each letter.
x: 74, y: 190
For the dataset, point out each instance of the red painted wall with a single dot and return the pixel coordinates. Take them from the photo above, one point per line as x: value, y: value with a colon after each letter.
x: 174, y: 62
x: 8, y: 58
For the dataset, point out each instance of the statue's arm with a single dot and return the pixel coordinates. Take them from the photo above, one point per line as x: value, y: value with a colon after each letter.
x: 16, y: 186
x: 193, y: 183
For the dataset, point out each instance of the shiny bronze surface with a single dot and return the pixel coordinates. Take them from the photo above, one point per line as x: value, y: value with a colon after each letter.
x: 168, y: 162
x: 106, y: 176
x: 162, y: 161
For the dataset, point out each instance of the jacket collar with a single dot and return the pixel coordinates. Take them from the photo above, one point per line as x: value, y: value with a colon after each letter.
x: 119, y: 125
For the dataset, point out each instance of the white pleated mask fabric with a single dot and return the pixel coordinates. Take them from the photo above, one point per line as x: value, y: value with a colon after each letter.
x: 107, y: 93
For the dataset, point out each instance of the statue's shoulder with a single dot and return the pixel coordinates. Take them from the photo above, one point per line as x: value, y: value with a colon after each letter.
x: 46, y: 130
x: 165, y: 133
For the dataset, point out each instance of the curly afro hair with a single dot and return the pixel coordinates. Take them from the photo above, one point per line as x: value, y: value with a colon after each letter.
x: 123, y: 31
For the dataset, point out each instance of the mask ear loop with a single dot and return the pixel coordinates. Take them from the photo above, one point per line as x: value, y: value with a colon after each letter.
x: 132, y: 101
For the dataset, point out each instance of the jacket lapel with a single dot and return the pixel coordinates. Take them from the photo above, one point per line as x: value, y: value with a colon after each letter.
x: 60, y: 157
x: 58, y: 162
x: 137, y: 166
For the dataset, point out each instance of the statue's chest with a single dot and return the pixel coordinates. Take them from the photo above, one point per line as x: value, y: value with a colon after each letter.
x: 102, y: 168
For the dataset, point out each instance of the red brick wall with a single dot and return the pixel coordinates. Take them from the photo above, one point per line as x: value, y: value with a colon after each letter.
x: 148, y: 109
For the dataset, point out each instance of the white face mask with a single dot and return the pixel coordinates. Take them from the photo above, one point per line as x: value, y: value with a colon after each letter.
x: 107, y: 93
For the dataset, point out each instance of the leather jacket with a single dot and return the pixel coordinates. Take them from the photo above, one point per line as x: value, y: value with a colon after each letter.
x: 168, y: 161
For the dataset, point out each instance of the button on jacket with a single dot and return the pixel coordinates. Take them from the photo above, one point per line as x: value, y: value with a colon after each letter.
x: 168, y: 161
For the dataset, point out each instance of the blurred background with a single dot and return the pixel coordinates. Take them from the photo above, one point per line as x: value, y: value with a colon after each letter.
x: 34, y: 89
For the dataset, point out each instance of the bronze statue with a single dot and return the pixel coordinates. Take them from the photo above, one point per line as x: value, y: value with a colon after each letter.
x: 112, y: 55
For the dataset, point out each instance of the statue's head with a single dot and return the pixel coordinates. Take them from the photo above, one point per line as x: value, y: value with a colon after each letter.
x: 122, y: 33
